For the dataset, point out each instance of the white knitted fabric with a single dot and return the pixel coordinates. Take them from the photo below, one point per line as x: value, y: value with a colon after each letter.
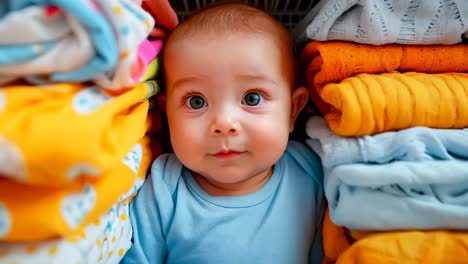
x: 380, y: 22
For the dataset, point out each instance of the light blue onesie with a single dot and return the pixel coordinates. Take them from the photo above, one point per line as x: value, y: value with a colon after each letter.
x: 175, y: 221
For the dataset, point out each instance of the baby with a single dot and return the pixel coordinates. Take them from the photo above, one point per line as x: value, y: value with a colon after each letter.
x: 235, y: 190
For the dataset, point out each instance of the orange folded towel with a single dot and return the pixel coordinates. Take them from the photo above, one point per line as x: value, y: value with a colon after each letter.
x: 335, y: 240
x: 368, y: 104
x: 336, y: 60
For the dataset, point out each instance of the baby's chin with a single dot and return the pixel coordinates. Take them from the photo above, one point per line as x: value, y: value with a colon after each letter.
x: 232, y: 182
x: 222, y: 177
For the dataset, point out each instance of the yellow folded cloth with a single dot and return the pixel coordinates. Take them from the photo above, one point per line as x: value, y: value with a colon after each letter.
x: 31, y: 213
x: 106, y: 240
x: 412, y: 247
x: 50, y: 135
x: 369, y: 104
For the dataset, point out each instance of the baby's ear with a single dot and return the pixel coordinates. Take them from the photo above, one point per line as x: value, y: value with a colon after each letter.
x: 299, y: 99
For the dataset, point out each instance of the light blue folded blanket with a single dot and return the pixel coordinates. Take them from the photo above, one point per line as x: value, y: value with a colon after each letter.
x: 413, y: 144
x: 411, y: 179
x: 399, y: 195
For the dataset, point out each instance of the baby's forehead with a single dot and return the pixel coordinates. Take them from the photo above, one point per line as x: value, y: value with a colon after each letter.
x: 232, y: 19
x: 252, y: 51
x: 280, y: 42
x: 212, y: 39
x: 204, y: 43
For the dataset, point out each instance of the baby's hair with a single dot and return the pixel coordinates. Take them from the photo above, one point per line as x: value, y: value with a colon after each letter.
x: 237, y: 17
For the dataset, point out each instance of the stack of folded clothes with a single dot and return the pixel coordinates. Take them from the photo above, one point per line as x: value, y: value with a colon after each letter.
x: 77, y: 78
x: 389, y: 79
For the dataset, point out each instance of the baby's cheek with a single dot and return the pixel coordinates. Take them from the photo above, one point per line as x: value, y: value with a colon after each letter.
x: 187, y: 140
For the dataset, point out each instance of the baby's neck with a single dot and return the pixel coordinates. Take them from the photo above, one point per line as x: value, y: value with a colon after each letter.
x: 245, y: 187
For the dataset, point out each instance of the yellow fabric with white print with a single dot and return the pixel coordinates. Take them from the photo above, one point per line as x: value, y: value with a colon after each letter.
x: 51, y: 135
x: 32, y: 213
x: 105, y: 240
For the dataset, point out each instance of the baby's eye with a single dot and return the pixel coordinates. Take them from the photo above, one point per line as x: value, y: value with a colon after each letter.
x: 196, y: 102
x: 252, y: 99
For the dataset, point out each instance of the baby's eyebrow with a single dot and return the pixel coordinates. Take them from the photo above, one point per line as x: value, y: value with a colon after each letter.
x: 186, y: 80
x: 256, y: 77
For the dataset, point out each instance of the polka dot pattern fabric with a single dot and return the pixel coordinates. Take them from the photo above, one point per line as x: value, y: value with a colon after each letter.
x: 105, y: 240
x: 99, y: 40
x: 52, y: 135
x: 34, y: 213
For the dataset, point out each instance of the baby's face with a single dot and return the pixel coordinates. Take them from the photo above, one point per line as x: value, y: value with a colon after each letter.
x: 228, y: 105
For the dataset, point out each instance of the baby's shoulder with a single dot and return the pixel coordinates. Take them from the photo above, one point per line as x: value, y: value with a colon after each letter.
x: 299, y: 154
x: 166, y: 172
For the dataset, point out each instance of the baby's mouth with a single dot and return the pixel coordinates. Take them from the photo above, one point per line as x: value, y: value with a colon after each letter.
x: 227, y: 154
